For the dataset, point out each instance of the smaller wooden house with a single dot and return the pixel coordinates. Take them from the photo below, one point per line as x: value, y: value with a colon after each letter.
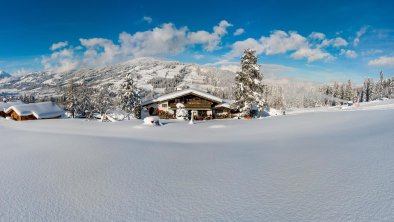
x: 33, y: 111
x: 5, y: 105
x: 224, y: 110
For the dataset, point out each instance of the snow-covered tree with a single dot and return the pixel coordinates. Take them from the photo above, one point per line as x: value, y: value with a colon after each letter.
x: 368, y: 89
x: 348, y: 91
x: 71, y: 102
x: 85, y: 105
x: 102, y: 100
x: 130, y: 97
x: 248, y: 90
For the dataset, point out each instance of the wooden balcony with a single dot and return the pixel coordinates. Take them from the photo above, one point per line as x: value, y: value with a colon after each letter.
x: 190, y: 105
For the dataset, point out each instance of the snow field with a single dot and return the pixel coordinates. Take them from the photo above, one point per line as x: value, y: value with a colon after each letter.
x: 321, y: 166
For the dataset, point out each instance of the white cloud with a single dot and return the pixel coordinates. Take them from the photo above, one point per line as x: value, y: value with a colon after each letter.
x: 339, y: 42
x: 147, y: 19
x: 348, y: 53
x: 280, y: 42
x: 163, y: 40
x: 383, y: 61
x: 198, y: 56
x: 235, y: 66
x: 99, y: 51
x: 317, y: 35
x: 239, y: 47
x: 166, y: 39
x: 61, y: 61
x: 371, y: 52
x: 210, y: 41
x: 359, y: 34
x: 22, y: 72
x: 226, y: 65
x: 312, y: 55
x: 59, y: 45
x: 239, y: 31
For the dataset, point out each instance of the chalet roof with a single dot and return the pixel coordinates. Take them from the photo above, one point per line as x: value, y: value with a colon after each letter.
x: 226, y: 104
x: 6, y: 105
x: 42, y: 110
x: 184, y: 92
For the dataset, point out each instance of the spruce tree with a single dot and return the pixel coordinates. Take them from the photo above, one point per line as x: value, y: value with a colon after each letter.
x: 71, y: 102
x: 248, y: 90
x: 130, y: 97
x: 349, y: 91
x: 102, y: 100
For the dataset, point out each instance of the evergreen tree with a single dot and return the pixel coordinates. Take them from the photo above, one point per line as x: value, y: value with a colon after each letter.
x: 71, y: 98
x: 379, y: 86
x: 349, y: 91
x: 130, y: 97
x: 85, y: 101
x: 336, y: 94
x: 102, y: 101
x: 248, y: 90
x: 368, y: 88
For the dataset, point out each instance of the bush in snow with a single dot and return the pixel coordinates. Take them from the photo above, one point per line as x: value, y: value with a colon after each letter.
x: 248, y: 90
x: 152, y: 121
x: 181, y: 112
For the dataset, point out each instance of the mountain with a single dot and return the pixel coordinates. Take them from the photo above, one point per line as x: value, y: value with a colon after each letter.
x: 153, y: 75
x: 4, y: 74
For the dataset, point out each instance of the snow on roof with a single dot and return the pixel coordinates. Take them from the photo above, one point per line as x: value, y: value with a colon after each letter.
x: 227, y: 103
x: 184, y: 92
x: 6, y: 105
x: 42, y: 110
x: 223, y: 105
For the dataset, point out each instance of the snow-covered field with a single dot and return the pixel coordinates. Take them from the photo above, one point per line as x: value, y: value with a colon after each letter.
x: 317, y: 166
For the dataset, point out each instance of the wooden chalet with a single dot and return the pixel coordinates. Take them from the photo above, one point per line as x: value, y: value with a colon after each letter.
x: 5, y: 105
x: 34, y: 111
x: 202, y: 104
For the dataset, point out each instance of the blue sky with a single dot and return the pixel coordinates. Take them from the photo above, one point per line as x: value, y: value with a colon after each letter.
x: 312, y: 40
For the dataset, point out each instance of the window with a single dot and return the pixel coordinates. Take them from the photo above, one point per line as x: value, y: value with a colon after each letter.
x: 164, y: 105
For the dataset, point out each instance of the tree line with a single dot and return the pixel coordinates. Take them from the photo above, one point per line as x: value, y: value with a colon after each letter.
x: 338, y: 93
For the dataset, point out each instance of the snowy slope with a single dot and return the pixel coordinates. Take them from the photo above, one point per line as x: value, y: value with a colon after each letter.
x: 321, y: 166
x: 152, y: 73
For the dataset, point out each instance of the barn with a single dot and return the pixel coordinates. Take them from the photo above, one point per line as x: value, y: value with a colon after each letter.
x: 33, y: 111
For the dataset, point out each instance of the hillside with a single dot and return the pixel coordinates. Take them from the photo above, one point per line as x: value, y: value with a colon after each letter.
x: 153, y: 74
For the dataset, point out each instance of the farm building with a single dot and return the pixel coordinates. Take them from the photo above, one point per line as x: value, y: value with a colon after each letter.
x: 5, y: 105
x: 201, y: 104
x: 33, y: 111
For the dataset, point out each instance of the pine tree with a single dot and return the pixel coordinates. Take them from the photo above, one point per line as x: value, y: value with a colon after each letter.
x: 85, y: 101
x: 391, y: 88
x: 102, y: 101
x: 368, y: 88
x: 71, y: 98
x: 336, y: 93
x: 130, y: 97
x: 248, y: 90
x: 349, y: 91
